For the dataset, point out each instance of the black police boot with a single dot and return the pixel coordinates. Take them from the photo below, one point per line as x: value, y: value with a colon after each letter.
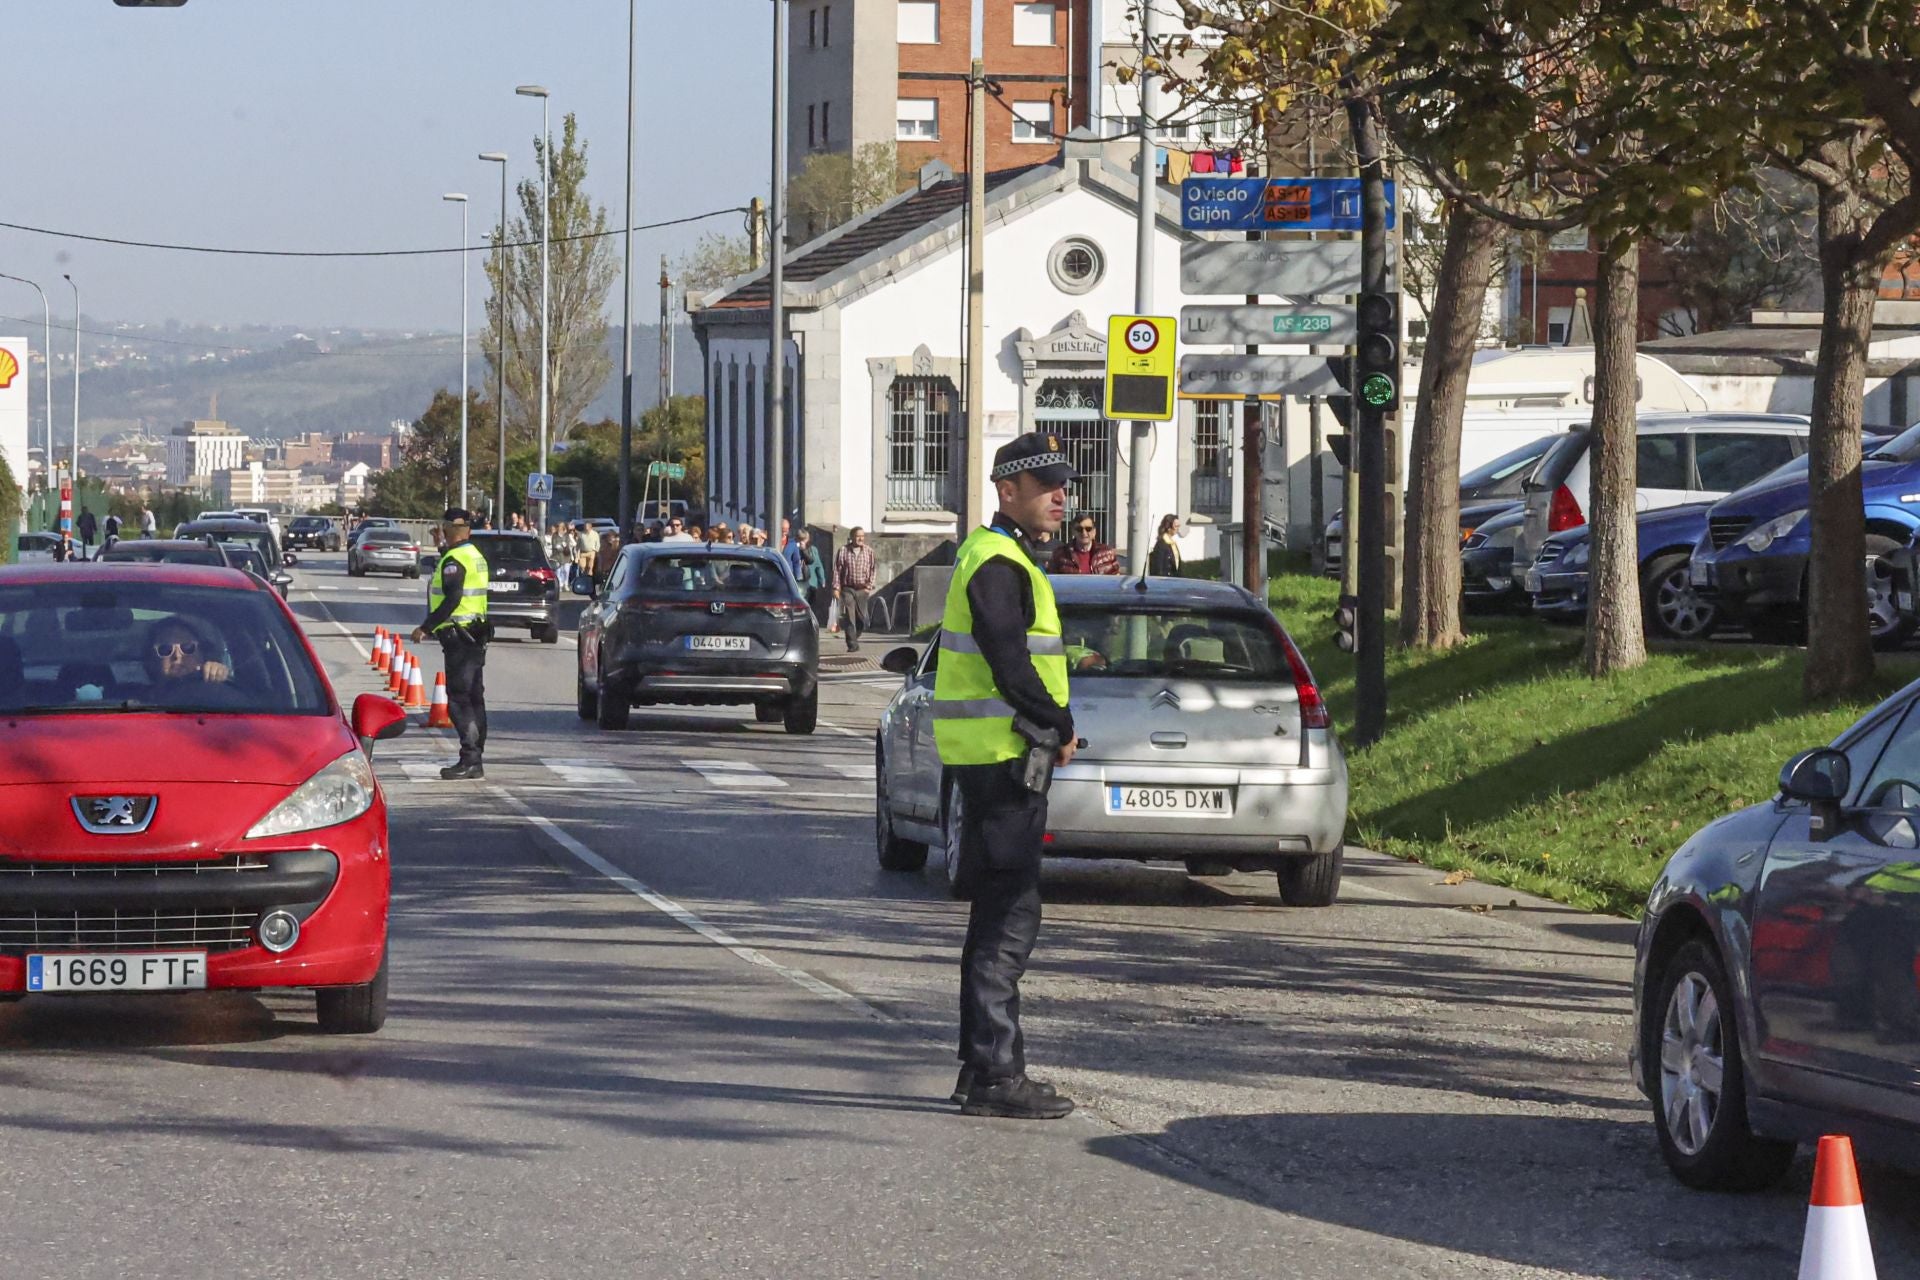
x: 1015, y: 1099
x: 463, y: 772
x: 964, y: 1085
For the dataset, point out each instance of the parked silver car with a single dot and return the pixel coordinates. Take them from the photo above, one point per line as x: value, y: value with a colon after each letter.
x: 1207, y: 742
x: 383, y: 551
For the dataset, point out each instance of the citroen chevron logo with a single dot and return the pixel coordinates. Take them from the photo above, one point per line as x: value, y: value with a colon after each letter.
x: 1166, y: 698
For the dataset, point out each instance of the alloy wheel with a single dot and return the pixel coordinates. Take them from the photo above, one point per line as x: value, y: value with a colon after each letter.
x: 1882, y: 614
x: 1692, y: 1063
x: 1682, y: 612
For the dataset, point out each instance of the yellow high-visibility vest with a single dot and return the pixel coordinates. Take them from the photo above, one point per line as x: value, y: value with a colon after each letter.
x: 972, y: 722
x: 472, y: 605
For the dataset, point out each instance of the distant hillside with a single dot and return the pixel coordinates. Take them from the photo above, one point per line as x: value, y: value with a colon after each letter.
x: 295, y: 387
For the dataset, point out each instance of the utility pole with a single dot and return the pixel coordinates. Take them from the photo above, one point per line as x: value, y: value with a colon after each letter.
x: 626, y: 510
x: 973, y: 489
x: 776, y: 380
x: 1369, y: 450
x: 500, y: 344
x: 1252, y: 448
x: 1139, y: 515
x: 666, y: 376
x: 757, y: 233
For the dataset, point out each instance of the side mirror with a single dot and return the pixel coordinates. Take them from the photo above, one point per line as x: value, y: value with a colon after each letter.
x: 289, y: 559
x: 583, y: 585
x: 901, y: 661
x: 377, y: 719
x: 1821, y: 779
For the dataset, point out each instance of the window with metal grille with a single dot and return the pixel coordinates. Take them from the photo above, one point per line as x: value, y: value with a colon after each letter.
x: 1213, y: 457
x: 919, y: 438
x: 1070, y: 408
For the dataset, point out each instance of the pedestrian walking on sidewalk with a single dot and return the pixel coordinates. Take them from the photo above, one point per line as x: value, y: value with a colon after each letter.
x: 458, y: 620
x: 999, y: 695
x: 853, y: 578
x: 810, y: 571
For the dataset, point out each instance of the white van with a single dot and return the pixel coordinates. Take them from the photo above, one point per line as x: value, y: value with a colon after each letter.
x: 260, y: 515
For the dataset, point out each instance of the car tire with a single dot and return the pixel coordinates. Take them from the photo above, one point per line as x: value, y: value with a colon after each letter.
x: 1672, y: 608
x: 1312, y: 882
x: 413, y: 573
x: 769, y: 712
x: 586, y: 701
x: 952, y: 816
x: 803, y: 714
x: 548, y: 634
x: 354, y: 1011
x: 896, y: 852
x: 1728, y: 1155
x: 615, y: 704
x: 1889, y: 627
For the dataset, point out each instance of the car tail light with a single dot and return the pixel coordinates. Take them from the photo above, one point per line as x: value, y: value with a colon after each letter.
x: 1564, y: 511
x: 1313, y: 708
x: 540, y: 575
x: 414, y: 549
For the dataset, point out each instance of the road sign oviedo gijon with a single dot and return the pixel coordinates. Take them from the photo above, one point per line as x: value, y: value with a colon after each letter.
x: 1140, y: 368
x: 1273, y: 204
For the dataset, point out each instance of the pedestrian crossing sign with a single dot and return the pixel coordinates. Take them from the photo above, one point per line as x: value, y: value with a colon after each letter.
x: 1140, y: 368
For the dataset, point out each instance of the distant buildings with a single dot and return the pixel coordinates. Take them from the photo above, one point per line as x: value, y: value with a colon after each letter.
x: 199, y: 449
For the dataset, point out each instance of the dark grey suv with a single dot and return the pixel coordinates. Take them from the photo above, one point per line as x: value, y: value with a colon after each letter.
x: 701, y: 625
x: 523, y: 590
x: 1775, y: 990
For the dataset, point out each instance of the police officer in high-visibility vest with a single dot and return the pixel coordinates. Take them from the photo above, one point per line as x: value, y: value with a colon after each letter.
x: 1001, y: 688
x: 458, y: 600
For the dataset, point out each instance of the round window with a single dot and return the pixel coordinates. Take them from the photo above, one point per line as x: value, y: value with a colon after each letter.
x: 1076, y: 265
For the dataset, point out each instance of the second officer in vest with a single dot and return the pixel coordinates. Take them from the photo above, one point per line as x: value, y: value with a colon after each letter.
x: 1001, y: 688
x: 458, y: 600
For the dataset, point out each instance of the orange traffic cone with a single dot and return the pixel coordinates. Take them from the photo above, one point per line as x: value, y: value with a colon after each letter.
x: 438, y: 718
x: 416, y: 689
x: 397, y: 672
x: 379, y: 642
x: 1836, y: 1245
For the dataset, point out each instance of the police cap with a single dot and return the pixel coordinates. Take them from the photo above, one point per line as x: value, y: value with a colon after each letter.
x: 1038, y: 452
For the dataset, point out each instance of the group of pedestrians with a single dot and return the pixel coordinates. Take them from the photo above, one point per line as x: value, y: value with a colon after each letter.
x: 1084, y: 553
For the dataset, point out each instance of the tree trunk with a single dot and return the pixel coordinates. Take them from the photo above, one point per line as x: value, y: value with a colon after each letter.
x: 1839, y: 648
x: 1430, y: 596
x: 1616, y: 635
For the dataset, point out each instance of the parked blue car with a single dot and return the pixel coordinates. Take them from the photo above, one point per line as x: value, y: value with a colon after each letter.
x: 1673, y: 608
x: 1752, y: 558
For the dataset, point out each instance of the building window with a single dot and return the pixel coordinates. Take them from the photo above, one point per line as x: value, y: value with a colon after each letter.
x: 1076, y: 265
x: 826, y: 26
x: 920, y: 415
x: 810, y: 134
x: 1033, y: 23
x: 917, y: 119
x: 826, y: 124
x: 1213, y: 457
x: 1033, y: 122
x: 919, y: 22
x: 813, y: 28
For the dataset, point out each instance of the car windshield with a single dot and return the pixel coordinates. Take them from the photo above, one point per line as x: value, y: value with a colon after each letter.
x: 248, y: 558
x: 1558, y: 462
x: 1904, y: 447
x: 707, y: 574
x: 231, y: 537
x: 388, y: 537
x: 511, y: 551
x: 85, y: 647
x: 305, y: 523
x: 1111, y: 640
x: 149, y: 554
x: 1507, y: 464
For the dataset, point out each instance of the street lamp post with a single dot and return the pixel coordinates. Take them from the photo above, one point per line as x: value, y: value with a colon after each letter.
x: 776, y: 282
x: 76, y: 381
x: 461, y: 200
x: 626, y: 513
x: 546, y: 237
x: 46, y: 349
x: 500, y: 334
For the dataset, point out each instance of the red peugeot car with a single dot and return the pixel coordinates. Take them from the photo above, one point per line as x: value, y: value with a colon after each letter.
x: 183, y: 804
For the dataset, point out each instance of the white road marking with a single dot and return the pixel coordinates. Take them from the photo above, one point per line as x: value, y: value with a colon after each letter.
x: 733, y: 773
x: 857, y: 769
x: 687, y: 919
x: 586, y: 773
x: 420, y: 770
x: 352, y: 639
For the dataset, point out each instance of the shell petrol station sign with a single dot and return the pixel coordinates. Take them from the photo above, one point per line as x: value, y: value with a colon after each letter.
x: 13, y: 406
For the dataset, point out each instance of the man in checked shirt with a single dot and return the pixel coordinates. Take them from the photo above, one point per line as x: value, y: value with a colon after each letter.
x: 853, y: 572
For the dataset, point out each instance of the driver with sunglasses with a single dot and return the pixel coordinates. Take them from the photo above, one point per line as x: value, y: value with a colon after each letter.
x: 177, y: 655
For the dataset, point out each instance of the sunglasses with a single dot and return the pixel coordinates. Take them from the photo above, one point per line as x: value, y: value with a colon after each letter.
x: 181, y: 648
x: 1084, y: 528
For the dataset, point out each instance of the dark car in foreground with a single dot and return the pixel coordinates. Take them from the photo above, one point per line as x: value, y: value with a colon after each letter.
x: 1673, y: 608
x: 317, y: 532
x: 202, y: 551
x: 239, y: 535
x: 1775, y: 990
x: 703, y: 626
x: 522, y: 590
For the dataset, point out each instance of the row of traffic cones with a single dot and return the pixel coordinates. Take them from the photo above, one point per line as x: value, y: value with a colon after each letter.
x: 405, y: 680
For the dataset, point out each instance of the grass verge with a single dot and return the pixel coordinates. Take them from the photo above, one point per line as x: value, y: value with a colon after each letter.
x: 1501, y: 759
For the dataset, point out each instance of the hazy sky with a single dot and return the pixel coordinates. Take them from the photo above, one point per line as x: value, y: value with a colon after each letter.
x: 338, y: 124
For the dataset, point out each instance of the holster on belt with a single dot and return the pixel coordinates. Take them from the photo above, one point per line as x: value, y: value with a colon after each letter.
x: 1043, y: 748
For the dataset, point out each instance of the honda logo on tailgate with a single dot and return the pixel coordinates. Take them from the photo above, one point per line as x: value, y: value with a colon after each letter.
x: 716, y: 607
x: 115, y: 815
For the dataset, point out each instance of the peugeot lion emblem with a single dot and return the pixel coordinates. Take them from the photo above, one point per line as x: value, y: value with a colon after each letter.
x: 115, y: 815
x: 1166, y: 698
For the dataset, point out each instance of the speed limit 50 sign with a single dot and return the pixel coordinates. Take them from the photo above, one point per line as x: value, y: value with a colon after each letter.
x: 1141, y: 367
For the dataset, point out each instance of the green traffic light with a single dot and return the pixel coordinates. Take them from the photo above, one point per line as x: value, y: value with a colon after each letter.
x: 1377, y: 389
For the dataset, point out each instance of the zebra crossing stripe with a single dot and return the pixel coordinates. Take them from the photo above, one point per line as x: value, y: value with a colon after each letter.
x: 733, y: 773
x: 586, y: 773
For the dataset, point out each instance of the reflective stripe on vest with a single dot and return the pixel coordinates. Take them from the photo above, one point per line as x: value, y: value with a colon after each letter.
x: 472, y: 605
x: 972, y: 722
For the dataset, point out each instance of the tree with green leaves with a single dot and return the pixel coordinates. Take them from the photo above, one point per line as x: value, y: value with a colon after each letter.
x: 433, y: 446
x: 582, y: 268
x: 833, y: 187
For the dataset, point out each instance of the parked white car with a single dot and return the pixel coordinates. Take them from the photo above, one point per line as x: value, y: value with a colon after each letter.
x: 1681, y: 458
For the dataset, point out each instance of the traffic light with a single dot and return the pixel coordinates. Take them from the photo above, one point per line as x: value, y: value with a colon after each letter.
x: 1346, y: 616
x: 1377, y: 368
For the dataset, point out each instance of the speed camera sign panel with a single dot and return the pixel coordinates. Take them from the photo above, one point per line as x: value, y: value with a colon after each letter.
x: 1141, y: 365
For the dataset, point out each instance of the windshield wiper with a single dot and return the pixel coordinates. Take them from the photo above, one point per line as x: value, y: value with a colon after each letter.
x: 67, y: 708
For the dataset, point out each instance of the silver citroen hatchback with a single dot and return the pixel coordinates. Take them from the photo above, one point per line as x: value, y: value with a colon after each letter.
x: 1207, y: 742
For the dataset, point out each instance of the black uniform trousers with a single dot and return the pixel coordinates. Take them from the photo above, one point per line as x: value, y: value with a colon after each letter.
x: 465, y: 655
x: 1001, y: 831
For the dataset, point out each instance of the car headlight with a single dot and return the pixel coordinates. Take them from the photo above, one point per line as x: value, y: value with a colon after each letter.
x: 1772, y: 531
x: 338, y: 793
x: 1577, y: 556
